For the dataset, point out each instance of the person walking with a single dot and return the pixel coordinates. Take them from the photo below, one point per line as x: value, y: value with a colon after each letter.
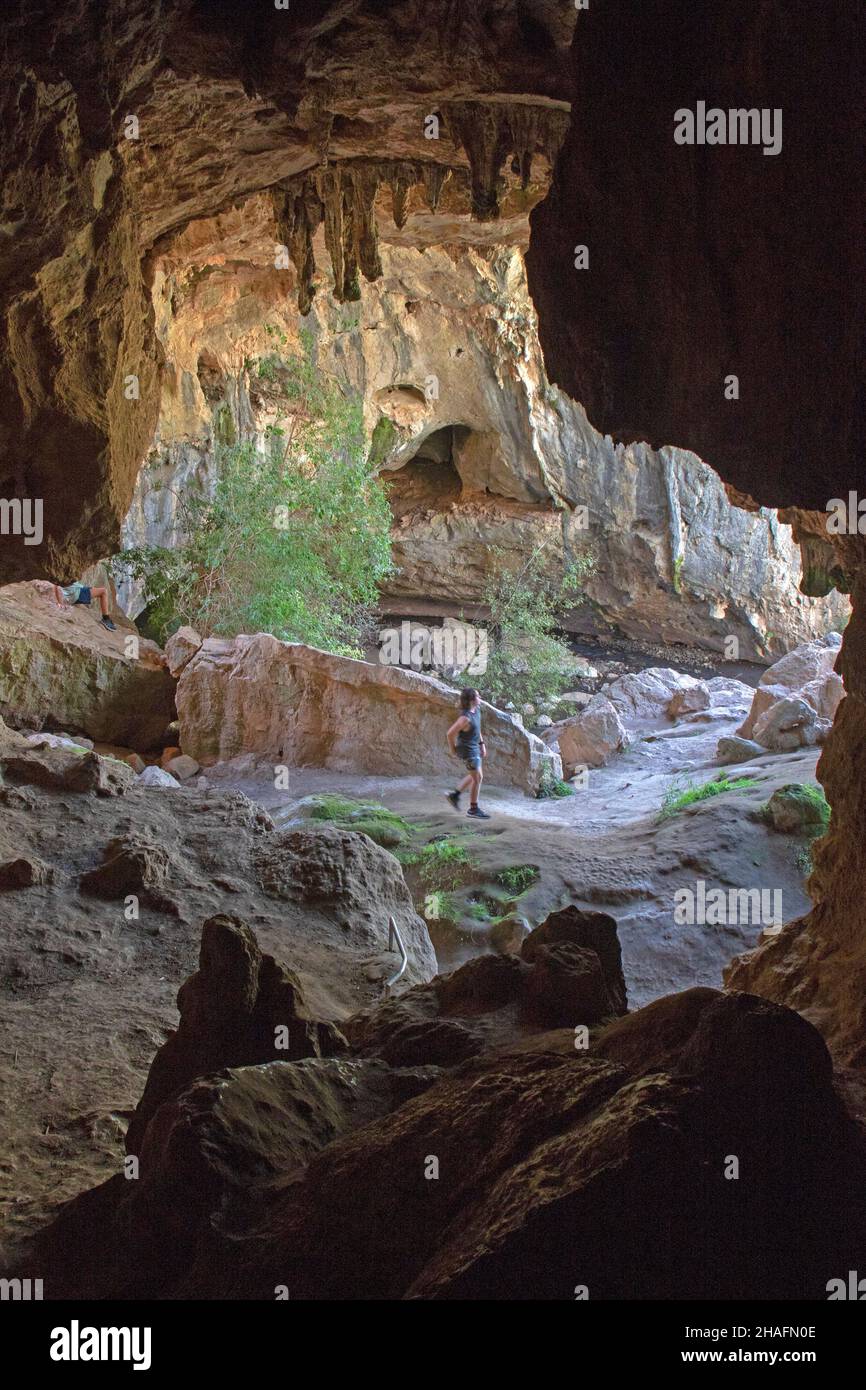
x: 466, y: 741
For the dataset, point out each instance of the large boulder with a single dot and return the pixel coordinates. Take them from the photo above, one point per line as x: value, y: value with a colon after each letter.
x: 60, y: 667
x: 288, y: 704
x: 588, y: 739
x: 790, y: 723
x: 643, y: 699
x: 240, y: 1007
x: 806, y: 677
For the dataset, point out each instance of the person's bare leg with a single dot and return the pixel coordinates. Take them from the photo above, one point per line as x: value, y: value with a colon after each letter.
x: 102, y: 594
x: 467, y: 782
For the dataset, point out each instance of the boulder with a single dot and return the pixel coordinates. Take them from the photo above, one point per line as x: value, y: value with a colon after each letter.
x: 286, y: 703
x: 588, y: 739
x: 805, y: 674
x: 180, y: 648
x: 232, y: 1012
x: 790, y: 723
x: 61, y: 667
x: 733, y: 749
x: 335, y: 869
x: 67, y: 769
x: 798, y: 809
x: 182, y: 767
x: 642, y: 698
x: 689, y: 700
x: 592, y: 931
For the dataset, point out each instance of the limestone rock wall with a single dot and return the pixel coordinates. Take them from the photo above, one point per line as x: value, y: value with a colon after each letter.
x: 483, y: 453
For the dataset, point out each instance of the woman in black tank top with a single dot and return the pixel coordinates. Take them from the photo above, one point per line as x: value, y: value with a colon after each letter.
x: 465, y: 741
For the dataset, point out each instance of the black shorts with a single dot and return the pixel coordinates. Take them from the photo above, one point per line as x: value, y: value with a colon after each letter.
x: 85, y: 595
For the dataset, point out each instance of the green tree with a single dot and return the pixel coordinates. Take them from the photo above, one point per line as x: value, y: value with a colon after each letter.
x: 526, y: 659
x: 293, y: 539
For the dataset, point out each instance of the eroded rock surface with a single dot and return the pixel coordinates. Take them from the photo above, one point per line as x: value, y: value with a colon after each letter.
x: 604, y: 1169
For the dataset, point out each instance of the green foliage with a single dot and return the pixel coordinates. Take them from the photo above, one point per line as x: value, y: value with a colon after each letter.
x: 526, y: 659
x: 293, y: 540
x: 551, y: 786
x: 384, y: 826
x: 442, y: 863
x: 478, y: 912
x: 678, y: 796
x: 678, y: 571
x: 517, y: 877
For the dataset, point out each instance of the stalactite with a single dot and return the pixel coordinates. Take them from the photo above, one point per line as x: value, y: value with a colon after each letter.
x: 351, y: 286
x: 364, y: 184
x: 298, y: 212
x: 401, y: 178
x: 482, y: 129
x: 329, y: 183
x: 524, y: 123
x: 488, y: 131
x: 434, y: 176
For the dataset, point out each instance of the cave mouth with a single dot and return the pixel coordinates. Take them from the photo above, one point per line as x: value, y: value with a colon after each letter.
x: 430, y: 480
x: 752, y: 1065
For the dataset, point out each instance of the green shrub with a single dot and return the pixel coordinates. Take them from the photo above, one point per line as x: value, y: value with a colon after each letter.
x: 526, y: 660
x: 293, y: 540
x: 550, y: 786
x: 442, y: 863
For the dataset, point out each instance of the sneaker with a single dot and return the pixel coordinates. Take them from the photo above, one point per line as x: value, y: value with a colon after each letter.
x: 477, y: 812
x: 106, y: 622
x: 454, y: 798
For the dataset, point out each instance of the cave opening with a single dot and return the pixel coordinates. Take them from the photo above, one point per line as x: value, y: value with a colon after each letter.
x: 236, y: 335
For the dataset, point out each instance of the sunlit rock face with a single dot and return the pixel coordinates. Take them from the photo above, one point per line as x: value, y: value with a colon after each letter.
x: 121, y: 122
x: 483, y: 455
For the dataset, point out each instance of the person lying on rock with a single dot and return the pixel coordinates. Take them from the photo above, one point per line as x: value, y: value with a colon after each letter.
x: 465, y: 741
x: 82, y: 593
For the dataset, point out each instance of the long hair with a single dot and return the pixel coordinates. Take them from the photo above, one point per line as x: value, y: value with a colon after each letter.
x: 468, y: 698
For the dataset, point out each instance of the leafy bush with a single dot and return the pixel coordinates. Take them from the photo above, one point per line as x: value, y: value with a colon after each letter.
x: 526, y: 659
x: 293, y: 539
x: 552, y: 786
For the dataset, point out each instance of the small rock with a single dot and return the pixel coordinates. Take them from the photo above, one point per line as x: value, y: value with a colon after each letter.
x: 182, y: 767
x: 156, y: 777
x: 168, y: 755
x: 544, y: 721
x: 527, y: 710
x: 733, y: 749
x: 23, y: 873
x: 135, y: 762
